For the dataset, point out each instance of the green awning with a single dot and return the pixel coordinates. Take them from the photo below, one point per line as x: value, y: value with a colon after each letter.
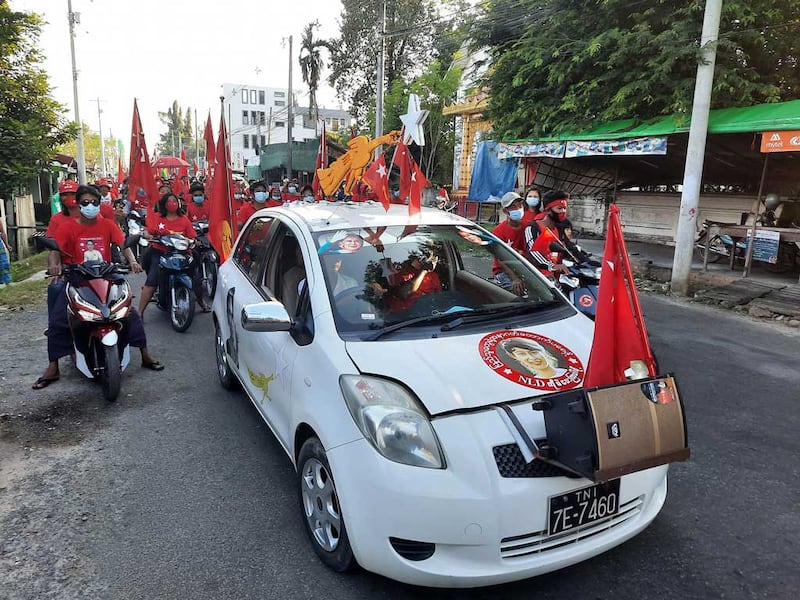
x: 304, y: 156
x: 776, y: 116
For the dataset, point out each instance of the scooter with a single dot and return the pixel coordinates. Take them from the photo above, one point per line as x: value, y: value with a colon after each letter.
x: 175, y: 291
x: 98, y: 309
x: 136, y: 227
x: 209, y: 260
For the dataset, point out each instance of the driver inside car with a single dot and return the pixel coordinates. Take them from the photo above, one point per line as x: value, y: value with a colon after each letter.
x: 410, y: 280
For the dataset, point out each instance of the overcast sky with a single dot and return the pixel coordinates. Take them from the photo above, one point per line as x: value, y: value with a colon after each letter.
x: 163, y: 50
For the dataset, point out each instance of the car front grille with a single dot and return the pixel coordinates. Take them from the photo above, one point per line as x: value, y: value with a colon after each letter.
x: 520, y: 546
x: 511, y: 464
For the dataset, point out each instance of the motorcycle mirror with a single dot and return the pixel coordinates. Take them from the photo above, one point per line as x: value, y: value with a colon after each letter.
x: 49, y: 244
x: 556, y: 247
x: 131, y: 241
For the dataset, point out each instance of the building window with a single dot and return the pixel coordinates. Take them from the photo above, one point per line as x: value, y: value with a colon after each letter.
x: 280, y: 124
x: 280, y: 103
x: 342, y: 123
x: 255, y: 141
x: 261, y: 97
x: 280, y: 94
x: 253, y: 96
x: 246, y: 140
x: 262, y: 117
x: 254, y: 117
x: 263, y: 140
x: 244, y: 96
x: 245, y: 118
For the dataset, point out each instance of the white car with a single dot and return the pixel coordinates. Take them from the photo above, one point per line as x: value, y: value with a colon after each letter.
x: 386, y: 360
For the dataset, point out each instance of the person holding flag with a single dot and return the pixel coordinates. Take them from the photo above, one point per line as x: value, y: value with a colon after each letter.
x: 546, y: 239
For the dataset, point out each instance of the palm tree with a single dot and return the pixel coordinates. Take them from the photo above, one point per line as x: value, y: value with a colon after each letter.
x: 311, y: 65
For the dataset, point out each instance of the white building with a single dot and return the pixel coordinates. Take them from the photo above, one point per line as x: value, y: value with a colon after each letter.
x: 257, y: 116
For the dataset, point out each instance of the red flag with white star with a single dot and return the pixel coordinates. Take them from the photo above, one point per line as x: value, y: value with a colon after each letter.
x: 418, y: 183
x: 377, y: 177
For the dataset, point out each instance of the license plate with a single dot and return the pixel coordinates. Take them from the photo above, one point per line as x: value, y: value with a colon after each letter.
x: 573, y: 509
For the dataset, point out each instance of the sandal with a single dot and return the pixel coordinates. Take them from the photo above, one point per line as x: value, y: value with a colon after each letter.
x: 43, y: 382
x: 204, y: 307
x: 153, y: 366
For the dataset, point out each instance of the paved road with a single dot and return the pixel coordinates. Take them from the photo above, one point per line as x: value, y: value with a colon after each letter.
x: 178, y: 490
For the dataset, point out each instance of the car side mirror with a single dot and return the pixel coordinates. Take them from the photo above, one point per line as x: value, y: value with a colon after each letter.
x: 266, y: 317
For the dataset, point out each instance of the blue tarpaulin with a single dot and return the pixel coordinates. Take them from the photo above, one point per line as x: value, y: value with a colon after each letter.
x: 490, y: 175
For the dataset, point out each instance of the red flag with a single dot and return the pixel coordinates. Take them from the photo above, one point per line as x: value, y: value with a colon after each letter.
x: 418, y: 183
x: 183, y: 171
x: 402, y: 158
x: 120, y: 171
x: 322, y: 163
x: 208, y: 136
x: 620, y: 335
x: 377, y: 177
x: 221, y: 224
x: 142, y: 191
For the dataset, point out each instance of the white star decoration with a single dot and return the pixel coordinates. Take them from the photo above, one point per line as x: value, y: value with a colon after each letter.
x: 381, y: 171
x: 507, y: 371
x: 413, y: 120
x: 161, y: 226
x: 413, y: 175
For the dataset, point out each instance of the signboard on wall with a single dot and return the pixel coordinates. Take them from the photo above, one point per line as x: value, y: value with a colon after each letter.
x: 766, y: 247
x: 629, y: 147
x: 780, y: 141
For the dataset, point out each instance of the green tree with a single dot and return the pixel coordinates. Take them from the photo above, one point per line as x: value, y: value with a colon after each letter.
x: 91, y: 150
x: 311, y: 65
x: 180, y: 132
x: 32, y: 123
x: 570, y: 64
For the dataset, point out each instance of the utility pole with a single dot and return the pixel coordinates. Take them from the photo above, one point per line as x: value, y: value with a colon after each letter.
x: 379, y: 80
x: 695, y: 152
x: 104, y: 168
x: 269, y: 127
x: 196, y: 143
x: 73, y: 19
x: 291, y: 116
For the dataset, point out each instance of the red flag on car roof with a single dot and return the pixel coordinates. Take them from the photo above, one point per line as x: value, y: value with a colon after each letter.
x: 377, y: 177
x: 412, y: 180
x: 620, y: 335
x: 418, y: 184
x: 208, y: 136
x: 142, y: 190
x: 221, y: 224
x: 322, y: 163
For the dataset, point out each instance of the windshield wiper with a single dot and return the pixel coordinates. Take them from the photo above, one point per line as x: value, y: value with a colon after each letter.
x: 502, y: 310
x: 410, y: 322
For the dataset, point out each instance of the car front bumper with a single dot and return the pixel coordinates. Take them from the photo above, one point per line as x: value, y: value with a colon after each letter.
x: 487, y: 529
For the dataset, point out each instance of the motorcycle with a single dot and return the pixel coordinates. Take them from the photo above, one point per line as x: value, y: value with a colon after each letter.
x: 209, y: 260
x: 175, y: 291
x: 136, y: 227
x: 581, y: 285
x: 717, y: 246
x: 98, y: 310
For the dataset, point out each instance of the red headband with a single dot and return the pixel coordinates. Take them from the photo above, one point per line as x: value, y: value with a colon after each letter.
x: 553, y: 203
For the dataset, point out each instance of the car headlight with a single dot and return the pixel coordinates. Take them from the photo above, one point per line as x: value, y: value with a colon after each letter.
x: 392, y: 420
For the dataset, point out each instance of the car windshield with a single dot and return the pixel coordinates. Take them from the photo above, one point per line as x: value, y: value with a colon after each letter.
x: 386, y: 278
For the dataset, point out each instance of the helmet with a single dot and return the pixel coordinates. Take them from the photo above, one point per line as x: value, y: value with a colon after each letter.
x: 68, y: 186
x: 771, y: 201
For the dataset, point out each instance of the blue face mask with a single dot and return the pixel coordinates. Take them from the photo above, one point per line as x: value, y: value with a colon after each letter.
x: 260, y: 197
x: 516, y: 214
x: 90, y: 211
x: 532, y: 201
x: 292, y: 189
x: 198, y: 199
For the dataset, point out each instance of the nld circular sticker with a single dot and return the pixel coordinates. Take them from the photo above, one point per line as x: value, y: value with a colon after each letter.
x: 532, y: 360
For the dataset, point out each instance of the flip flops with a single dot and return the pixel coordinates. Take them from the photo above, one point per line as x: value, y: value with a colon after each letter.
x: 43, y: 382
x: 153, y: 366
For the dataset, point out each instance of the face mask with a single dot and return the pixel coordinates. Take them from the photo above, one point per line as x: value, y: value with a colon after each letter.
x: 237, y: 196
x: 561, y: 217
x: 90, y: 211
x: 276, y: 197
x: 308, y: 197
x: 171, y: 206
x: 532, y: 201
x: 292, y: 189
x: 516, y: 214
x: 198, y: 199
x: 260, y: 197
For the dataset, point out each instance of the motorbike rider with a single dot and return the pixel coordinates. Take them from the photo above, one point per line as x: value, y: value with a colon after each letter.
x: 197, y: 209
x: 260, y: 197
x: 73, y: 237
x: 106, y: 201
x: 552, y: 223
x: 168, y: 218
x: 511, y: 231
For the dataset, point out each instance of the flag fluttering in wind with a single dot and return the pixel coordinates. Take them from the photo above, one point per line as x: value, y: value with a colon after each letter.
x: 377, y: 177
x: 208, y: 136
x: 221, y: 223
x: 120, y: 171
x: 142, y: 191
x: 620, y: 335
x: 412, y: 180
x: 322, y: 162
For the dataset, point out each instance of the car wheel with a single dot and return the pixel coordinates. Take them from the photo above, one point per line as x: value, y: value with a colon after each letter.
x: 322, y: 514
x: 226, y: 378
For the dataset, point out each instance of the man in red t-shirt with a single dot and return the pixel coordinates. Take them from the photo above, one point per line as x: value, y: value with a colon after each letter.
x: 196, y: 208
x: 512, y: 232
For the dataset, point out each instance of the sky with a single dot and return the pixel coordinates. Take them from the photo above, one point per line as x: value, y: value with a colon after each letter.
x: 158, y: 51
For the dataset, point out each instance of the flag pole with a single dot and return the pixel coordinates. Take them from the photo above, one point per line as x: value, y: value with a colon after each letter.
x: 229, y: 168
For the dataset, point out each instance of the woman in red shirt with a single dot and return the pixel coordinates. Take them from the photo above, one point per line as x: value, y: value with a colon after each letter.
x: 168, y: 218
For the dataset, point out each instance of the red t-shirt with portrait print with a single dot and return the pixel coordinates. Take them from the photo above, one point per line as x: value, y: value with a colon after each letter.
x: 85, y: 242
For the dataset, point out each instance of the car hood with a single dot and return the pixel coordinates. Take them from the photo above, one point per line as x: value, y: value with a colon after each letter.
x: 468, y: 371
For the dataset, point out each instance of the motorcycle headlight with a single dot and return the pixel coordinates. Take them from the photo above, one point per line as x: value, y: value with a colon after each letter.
x: 180, y: 244
x: 85, y: 310
x: 392, y: 420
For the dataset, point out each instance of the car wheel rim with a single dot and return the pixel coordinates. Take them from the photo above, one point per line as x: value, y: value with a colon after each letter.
x: 321, y: 505
x: 222, y: 363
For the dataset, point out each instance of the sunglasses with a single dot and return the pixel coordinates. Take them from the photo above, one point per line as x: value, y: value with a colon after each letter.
x: 86, y: 202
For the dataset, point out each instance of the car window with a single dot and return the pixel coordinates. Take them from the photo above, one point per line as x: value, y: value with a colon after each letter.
x: 250, y: 253
x: 383, y: 276
x: 285, y: 276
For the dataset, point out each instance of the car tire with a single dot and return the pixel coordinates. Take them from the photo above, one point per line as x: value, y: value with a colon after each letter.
x: 320, y: 508
x: 226, y: 377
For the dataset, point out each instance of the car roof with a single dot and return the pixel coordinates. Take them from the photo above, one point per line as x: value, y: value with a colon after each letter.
x: 328, y: 216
